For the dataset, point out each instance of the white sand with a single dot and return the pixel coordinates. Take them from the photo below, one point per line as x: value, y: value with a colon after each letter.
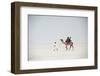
x: 49, y: 52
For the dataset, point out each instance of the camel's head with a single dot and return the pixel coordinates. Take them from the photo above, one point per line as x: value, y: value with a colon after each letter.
x: 61, y: 39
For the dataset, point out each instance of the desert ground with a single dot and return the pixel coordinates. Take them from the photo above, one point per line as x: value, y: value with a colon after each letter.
x: 50, y: 52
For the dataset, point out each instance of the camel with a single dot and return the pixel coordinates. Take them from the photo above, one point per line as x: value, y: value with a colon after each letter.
x: 67, y: 43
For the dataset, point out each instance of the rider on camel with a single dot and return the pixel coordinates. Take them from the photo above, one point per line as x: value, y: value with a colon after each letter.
x: 68, y: 40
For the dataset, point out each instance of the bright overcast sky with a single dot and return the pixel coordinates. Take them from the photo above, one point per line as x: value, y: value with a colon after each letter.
x: 50, y: 28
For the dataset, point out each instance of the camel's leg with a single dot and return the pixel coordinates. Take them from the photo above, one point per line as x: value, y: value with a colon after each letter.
x: 71, y: 46
x: 66, y: 48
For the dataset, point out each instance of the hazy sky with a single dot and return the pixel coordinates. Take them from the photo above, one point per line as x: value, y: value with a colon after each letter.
x: 50, y: 28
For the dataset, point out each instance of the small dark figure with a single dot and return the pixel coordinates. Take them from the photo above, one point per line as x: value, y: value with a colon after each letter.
x: 55, y: 46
